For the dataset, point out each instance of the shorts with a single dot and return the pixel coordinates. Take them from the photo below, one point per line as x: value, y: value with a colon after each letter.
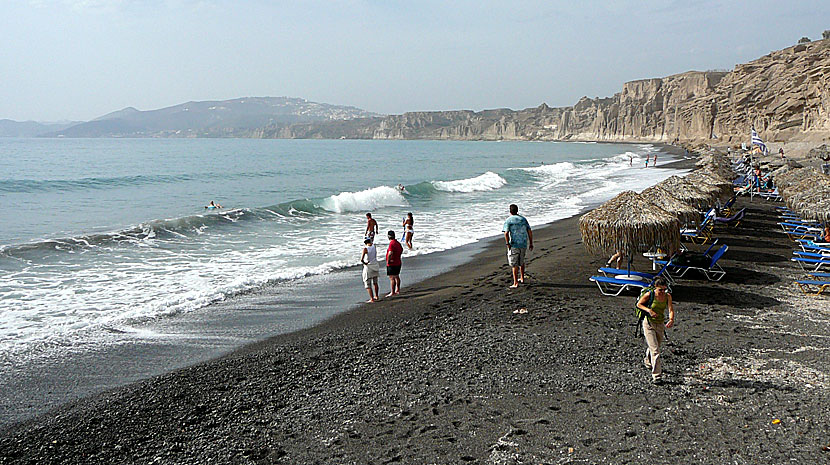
x: 368, y: 282
x: 370, y: 275
x: 516, y: 256
x: 393, y: 270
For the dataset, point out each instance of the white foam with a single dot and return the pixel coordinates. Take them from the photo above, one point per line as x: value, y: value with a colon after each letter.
x: 486, y: 182
x: 370, y: 199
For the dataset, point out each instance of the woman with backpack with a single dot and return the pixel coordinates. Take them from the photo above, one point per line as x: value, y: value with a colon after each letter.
x: 655, y: 303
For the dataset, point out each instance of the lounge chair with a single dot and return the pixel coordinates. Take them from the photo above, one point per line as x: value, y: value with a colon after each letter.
x: 713, y: 272
x: 614, y: 272
x: 811, y: 287
x: 811, y: 246
x: 819, y: 255
x: 703, y: 233
x: 812, y: 265
x: 614, y: 286
x: 733, y: 220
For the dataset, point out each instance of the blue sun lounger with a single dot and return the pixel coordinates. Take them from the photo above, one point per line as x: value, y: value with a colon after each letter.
x: 819, y: 255
x: 614, y: 272
x: 713, y: 272
x: 812, y: 264
x: 614, y: 286
x: 811, y: 287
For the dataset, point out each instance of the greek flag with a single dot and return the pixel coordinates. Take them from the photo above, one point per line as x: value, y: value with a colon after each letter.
x: 756, y: 140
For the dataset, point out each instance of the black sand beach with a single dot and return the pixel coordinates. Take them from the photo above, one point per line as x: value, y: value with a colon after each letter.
x: 448, y: 373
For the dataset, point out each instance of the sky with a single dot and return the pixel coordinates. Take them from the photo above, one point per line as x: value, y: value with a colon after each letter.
x: 80, y: 59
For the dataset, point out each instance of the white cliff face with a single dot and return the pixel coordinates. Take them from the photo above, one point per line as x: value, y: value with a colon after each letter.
x: 785, y: 95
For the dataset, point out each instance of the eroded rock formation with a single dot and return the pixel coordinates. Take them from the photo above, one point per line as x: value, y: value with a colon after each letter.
x: 785, y: 95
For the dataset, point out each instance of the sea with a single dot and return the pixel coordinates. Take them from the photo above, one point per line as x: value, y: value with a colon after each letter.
x: 113, y: 270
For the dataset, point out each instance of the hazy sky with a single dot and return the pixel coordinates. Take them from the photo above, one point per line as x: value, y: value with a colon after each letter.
x: 79, y: 59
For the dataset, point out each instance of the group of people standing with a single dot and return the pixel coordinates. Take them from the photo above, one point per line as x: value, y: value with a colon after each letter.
x: 369, y: 259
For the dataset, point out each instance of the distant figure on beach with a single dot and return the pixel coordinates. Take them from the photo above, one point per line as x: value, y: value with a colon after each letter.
x: 212, y: 205
x: 393, y: 264
x: 648, y: 157
x: 371, y: 227
x: 371, y: 270
x: 655, y: 303
x: 654, y: 163
x: 630, y: 160
x: 409, y: 231
x: 826, y: 235
x: 517, y: 236
x: 781, y: 152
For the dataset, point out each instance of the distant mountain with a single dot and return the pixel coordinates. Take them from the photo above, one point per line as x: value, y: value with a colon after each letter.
x: 226, y: 118
x: 9, y: 128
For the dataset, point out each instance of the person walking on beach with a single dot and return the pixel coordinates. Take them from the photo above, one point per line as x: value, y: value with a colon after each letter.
x: 409, y: 231
x: 655, y: 303
x: 371, y: 227
x: 371, y: 270
x: 648, y: 157
x: 393, y: 264
x: 517, y: 236
x: 654, y: 163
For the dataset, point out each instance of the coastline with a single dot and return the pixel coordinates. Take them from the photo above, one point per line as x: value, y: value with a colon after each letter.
x: 448, y: 373
x: 215, y: 331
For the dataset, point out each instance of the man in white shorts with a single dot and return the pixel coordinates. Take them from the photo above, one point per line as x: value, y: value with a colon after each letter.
x: 371, y: 269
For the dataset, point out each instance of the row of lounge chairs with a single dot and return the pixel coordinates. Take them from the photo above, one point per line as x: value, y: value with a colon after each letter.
x: 814, y: 256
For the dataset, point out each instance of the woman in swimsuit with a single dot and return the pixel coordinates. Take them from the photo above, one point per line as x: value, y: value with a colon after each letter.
x: 408, y: 224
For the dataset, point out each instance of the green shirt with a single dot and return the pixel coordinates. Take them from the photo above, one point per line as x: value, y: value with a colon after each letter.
x: 660, y: 309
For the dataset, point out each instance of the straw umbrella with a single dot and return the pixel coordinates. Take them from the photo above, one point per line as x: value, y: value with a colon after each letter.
x: 688, y: 192
x: 663, y: 199
x: 705, y: 177
x: 808, y: 196
x: 793, y: 176
x: 628, y: 224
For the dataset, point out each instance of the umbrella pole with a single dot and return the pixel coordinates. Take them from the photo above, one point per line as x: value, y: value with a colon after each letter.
x: 630, y: 258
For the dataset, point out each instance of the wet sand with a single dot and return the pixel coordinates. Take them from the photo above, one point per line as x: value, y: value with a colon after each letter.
x: 449, y: 373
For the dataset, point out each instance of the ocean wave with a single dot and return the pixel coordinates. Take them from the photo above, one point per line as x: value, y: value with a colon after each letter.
x: 369, y: 199
x: 486, y: 182
x: 560, y: 169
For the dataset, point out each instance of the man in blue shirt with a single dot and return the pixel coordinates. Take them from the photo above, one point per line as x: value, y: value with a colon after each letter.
x: 517, y: 236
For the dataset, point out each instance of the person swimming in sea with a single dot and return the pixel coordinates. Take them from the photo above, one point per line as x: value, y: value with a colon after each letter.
x: 212, y: 205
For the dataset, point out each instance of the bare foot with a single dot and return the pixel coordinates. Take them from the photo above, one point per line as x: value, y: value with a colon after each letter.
x: 514, y: 286
x: 390, y: 294
x: 370, y: 301
x: 397, y: 293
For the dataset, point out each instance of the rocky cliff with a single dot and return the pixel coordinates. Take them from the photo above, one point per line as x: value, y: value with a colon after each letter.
x: 785, y: 95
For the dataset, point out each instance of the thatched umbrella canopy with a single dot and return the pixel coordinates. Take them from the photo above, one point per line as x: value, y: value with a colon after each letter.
x: 779, y: 171
x: 793, y: 176
x: 688, y: 192
x: 662, y: 198
x: 722, y: 171
x: 806, y: 196
x: 706, y: 180
x: 628, y: 224
x: 807, y: 184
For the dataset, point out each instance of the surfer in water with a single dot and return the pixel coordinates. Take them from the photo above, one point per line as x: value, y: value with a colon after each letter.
x: 212, y: 205
x: 408, y: 231
x: 401, y: 189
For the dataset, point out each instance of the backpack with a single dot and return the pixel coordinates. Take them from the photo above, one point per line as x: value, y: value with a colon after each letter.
x: 641, y: 314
